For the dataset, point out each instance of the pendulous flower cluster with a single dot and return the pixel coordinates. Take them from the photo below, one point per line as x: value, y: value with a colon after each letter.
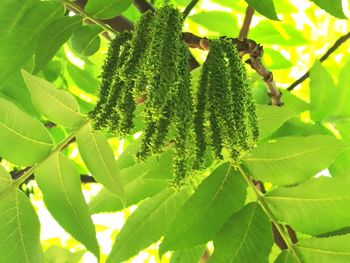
x: 151, y: 62
x: 225, y: 107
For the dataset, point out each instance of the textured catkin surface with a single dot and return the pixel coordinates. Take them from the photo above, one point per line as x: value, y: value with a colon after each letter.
x: 152, y: 62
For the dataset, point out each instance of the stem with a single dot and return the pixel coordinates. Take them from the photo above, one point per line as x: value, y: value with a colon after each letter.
x: 246, y: 24
x: 78, y: 10
x: 188, y: 8
x: 333, y: 48
x: 28, y: 173
x: 269, y: 213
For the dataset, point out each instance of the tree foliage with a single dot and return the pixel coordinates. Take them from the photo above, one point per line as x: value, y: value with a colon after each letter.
x: 181, y: 126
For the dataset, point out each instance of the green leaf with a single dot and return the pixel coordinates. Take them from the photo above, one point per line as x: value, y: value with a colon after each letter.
x: 140, y: 180
x: 343, y: 126
x: 296, y: 127
x: 343, y: 93
x: 235, y: 5
x: 217, y: 21
x: 24, y: 140
x: 341, y: 165
x: 56, y: 254
x: 53, y: 37
x: 333, y: 7
x: 11, y: 12
x: 246, y: 237
x: 293, y: 103
x: 269, y: 32
x: 60, y: 183
x: 15, y: 90
x: 19, y: 229
x: 221, y: 194
x: 5, y: 178
x: 187, y: 255
x: 147, y: 224
x: 106, y: 9
x: 322, y: 91
x: 331, y: 249
x: 314, y: 207
x: 19, y: 45
x: 84, y: 79
x: 135, y: 192
x: 292, y: 159
x: 59, y: 106
x: 285, y: 257
x: 99, y: 159
x: 264, y: 7
x: 270, y: 118
x: 275, y: 60
x: 86, y: 40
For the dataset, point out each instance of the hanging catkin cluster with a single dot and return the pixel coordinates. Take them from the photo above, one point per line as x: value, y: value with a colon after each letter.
x: 225, y: 110
x: 150, y: 62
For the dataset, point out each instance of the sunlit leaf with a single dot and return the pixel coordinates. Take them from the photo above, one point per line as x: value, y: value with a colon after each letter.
x: 19, y: 226
x: 292, y: 159
x: 268, y: 32
x: 24, y: 140
x: 86, y: 40
x: 19, y: 44
x: 106, y: 8
x: 246, y: 237
x: 99, y: 159
x: 60, y: 255
x: 57, y: 105
x: 60, y: 183
x: 147, y: 224
x: 53, y: 37
x: 214, y: 201
x: 331, y: 249
x: 341, y: 165
x: 343, y: 92
x: 333, y: 7
x: 217, y: 21
x: 314, y: 207
x: 187, y: 255
x: 264, y: 7
x: 322, y: 92
x: 270, y: 118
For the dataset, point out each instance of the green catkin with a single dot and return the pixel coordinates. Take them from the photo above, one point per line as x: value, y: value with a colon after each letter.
x: 138, y: 47
x: 183, y: 119
x: 225, y: 99
x: 239, y: 90
x: 162, y: 75
x: 246, y: 128
x: 108, y: 70
x: 199, y: 118
x: 162, y: 60
x: 111, y: 111
x: 219, y: 94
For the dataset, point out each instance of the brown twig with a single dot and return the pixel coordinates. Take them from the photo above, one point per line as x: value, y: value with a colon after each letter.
x: 336, y: 44
x: 189, y: 8
x: 246, y: 23
x: 118, y: 23
x: 245, y: 46
x: 143, y: 5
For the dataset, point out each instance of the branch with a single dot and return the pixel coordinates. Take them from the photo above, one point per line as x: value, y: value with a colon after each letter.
x: 189, y: 8
x: 113, y: 25
x: 246, y: 24
x: 28, y: 171
x: 245, y: 46
x: 333, y: 48
x: 271, y: 216
x: 143, y: 6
